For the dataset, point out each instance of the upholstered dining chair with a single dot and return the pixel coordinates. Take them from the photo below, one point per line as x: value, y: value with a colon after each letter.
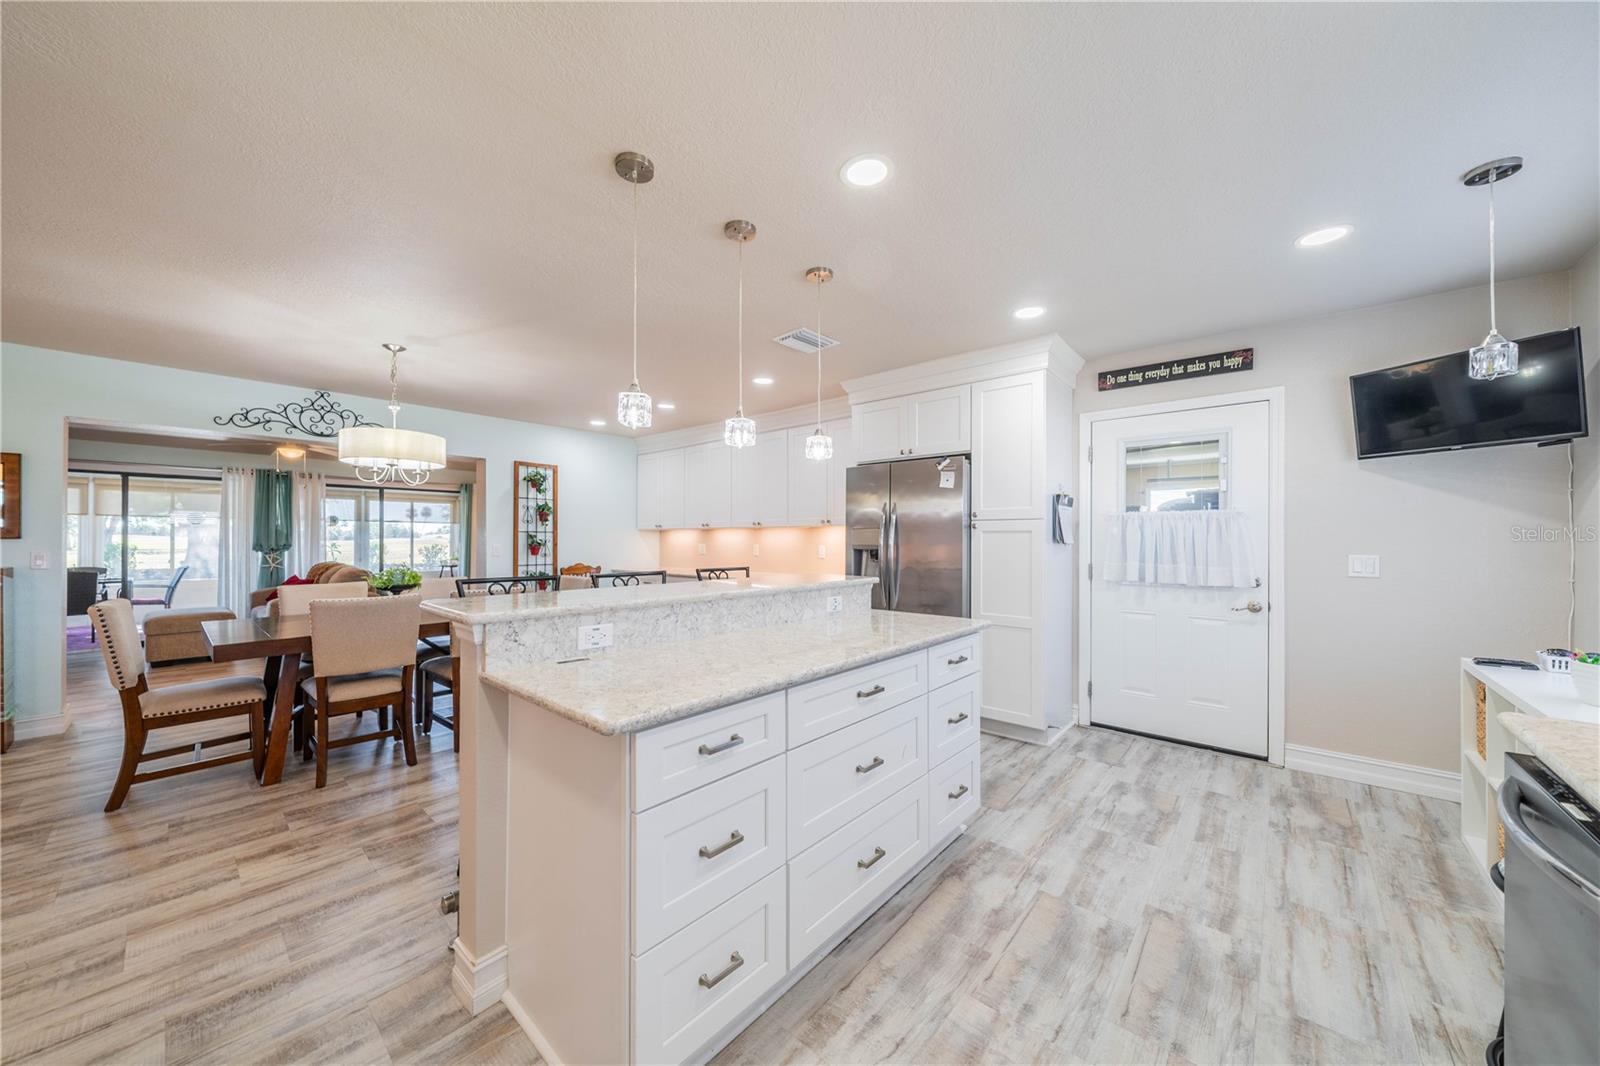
x: 363, y: 653
x: 145, y: 710
x: 297, y: 599
x: 575, y: 581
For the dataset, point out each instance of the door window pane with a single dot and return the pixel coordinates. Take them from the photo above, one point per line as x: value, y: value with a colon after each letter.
x: 1175, y: 475
x: 379, y: 528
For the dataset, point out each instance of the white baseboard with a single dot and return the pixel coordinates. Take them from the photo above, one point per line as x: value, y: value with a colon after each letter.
x: 521, y: 1017
x: 1402, y: 777
x: 43, y: 725
x: 478, y: 983
x: 1027, y: 734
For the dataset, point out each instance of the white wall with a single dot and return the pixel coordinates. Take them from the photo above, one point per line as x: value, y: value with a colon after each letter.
x: 1372, y: 665
x: 1586, y: 456
x: 40, y: 389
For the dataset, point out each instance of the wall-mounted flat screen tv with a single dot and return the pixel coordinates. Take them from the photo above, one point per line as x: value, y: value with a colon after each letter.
x: 1433, y: 406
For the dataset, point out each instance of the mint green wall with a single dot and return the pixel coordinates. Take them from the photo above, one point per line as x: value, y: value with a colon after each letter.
x: 41, y: 389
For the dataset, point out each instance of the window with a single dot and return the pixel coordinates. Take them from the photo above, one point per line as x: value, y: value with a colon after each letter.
x: 375, y: 528
x: 1175, y: 475
x: 143, y: 530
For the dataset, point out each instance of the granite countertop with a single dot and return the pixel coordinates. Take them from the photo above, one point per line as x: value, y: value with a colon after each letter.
x: 1570, y: 749
x: 650, y: 686
x: 487, y: 609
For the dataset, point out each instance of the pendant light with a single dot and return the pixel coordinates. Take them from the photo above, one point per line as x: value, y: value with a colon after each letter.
x: 819, y: 446
x: 1496, y: 357
x: 739, y: 431
x: 389, y: 453
x: 633, y: 404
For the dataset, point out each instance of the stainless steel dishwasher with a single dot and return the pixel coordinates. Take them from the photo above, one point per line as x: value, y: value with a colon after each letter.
x: 1552, y: 948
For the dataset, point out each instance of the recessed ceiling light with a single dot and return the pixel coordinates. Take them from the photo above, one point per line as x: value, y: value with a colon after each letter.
x: 865, y: 171
x: 1027, y: 312
x: 1326, y: 235
x: 761, y: 381
x: 664, y: 406
x: 597, y: 421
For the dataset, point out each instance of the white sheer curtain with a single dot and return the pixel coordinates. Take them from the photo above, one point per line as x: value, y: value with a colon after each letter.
x: 310, y: 543
x: 1199, y: 549
x: 236, y: 563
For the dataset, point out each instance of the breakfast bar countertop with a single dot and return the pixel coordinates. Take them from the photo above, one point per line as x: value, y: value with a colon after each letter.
x: 640, y: 688
x: 475, y: 610
x: 1570, y: 749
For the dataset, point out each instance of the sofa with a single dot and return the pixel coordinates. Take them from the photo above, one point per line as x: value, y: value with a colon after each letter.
x: 174, y: 635
x: 263, y: 602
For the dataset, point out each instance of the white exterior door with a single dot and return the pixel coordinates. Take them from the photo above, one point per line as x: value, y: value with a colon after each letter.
x: 1185, y: 663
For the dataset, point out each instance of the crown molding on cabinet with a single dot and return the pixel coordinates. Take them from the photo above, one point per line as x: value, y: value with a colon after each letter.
x: 1048, y: 352
x: 789, y: 418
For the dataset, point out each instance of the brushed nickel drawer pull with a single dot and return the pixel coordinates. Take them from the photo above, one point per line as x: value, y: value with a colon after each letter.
x: 733, y: 841
x: 875, y: 690
x: 957, y: 661
x: 732, y: 742
x: 735, y: 961
x: 867, y: 864
x: 958, y: 793
x: 957, y: 720
x: 877, y: 761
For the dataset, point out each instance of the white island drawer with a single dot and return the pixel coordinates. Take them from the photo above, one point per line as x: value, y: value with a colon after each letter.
x: 817, y: 708
x: 672, y: 759
x: 953, y: 714
x: 694, y: 852
x: 953, y: 792
x: 690, y: 987
x: 954, y: 659
x: 832, y: 883
x: 838, y: 777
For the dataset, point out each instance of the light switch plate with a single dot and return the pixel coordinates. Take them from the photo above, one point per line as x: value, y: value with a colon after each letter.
x: 496, y: 550
x: 38, y: 561
x: 822, y: 551
x: 1364, y: 566
x: 591, y: 637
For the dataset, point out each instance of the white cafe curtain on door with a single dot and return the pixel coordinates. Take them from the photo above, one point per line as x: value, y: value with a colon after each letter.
x: 310, y: 546
x: 236, y: 563
x: 1197, y: 549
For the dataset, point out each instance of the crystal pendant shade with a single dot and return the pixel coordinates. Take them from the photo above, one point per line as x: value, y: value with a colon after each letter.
x: 739, y: 432
x: 633, y: 408
x: 819, y: 446
x: 1496, y: 357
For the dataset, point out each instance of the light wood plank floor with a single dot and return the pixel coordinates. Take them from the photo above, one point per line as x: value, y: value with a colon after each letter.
x: 1118, y: 900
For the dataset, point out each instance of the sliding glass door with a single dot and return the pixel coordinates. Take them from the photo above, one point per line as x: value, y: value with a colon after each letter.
x: 157, y: 537
x: 374, y: 528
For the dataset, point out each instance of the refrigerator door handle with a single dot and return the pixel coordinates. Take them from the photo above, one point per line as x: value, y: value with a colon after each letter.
x: 883, y: 555
x: 894, y: 551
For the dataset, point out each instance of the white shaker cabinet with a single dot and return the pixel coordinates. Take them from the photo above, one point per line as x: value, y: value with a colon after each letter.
x: 808, y: 482
x: 1008, y: 580
x: 708, y: 486
x: 936, y: 422
x: 1008, y: 447
x: 761, y: 481
x: 844, y: 457
x: 880, y: 429
x: 660, y: 490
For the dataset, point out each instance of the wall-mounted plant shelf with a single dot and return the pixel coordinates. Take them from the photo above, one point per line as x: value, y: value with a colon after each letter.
x: 535, y: 515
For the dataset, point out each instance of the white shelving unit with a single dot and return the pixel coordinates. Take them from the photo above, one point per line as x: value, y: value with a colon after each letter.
x: 1505, y: 689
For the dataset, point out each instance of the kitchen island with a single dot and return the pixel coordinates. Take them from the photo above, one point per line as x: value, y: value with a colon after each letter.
x: 662, y: 833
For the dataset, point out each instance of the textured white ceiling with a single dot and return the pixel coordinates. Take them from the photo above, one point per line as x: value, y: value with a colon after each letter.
x: 273, y: 189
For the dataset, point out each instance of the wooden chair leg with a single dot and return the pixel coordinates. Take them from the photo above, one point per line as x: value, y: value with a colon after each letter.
x: 455, y: 708
x: 383, y: 719
x: 258, y: 739
x: 132, y: 747
x: 404, y: 714
x: 322, y: 732
x: 426, y: 717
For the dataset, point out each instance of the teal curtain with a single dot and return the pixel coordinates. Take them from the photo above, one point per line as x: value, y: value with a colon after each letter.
x: 274, y: 524
x: 465, y: 510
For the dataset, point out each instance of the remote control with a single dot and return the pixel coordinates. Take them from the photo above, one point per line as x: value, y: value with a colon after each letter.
x: 1520, y: 664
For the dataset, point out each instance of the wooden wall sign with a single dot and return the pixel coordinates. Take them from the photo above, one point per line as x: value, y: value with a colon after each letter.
x: 1195, y: 366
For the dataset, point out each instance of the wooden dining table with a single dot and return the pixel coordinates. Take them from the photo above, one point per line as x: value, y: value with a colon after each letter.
x: 282, y: 641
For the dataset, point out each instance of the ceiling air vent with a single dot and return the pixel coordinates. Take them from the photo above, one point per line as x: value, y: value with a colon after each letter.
x: 806, y: 340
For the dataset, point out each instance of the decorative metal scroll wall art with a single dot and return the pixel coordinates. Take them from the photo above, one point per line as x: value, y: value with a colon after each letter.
x: 319, y: 415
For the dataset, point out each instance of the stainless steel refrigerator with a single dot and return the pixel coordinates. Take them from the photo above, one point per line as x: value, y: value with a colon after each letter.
x: 907, y: 524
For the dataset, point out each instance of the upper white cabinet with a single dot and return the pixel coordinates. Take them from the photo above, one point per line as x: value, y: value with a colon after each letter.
x: 808, y: 483
x: 761, y: 481
x: 660, y: 490
x: 936, y: 422
x: 1008, y: 448
x: 844, y: 457
x: 708, y: 485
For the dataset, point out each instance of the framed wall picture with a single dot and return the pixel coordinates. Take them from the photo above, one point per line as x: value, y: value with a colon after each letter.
x: 10, y: 495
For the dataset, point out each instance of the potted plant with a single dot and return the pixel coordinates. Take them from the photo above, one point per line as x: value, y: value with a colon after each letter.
x: 537, y: 478
x: 535, y: 544
x: 542, y: 509
x: 394, y: 580
x: 542, y: 579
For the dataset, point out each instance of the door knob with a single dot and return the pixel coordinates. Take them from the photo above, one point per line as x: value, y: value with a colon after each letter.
x: 1253, y: 607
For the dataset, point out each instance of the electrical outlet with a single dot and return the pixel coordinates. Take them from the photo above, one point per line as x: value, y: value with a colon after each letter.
x: 591, y: 637
x: 755, y: 549
x: 822, y: 551
x: 835, y: 604
x: 38, y: 561
x: 700, y: 549
x: 1363, y: 566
